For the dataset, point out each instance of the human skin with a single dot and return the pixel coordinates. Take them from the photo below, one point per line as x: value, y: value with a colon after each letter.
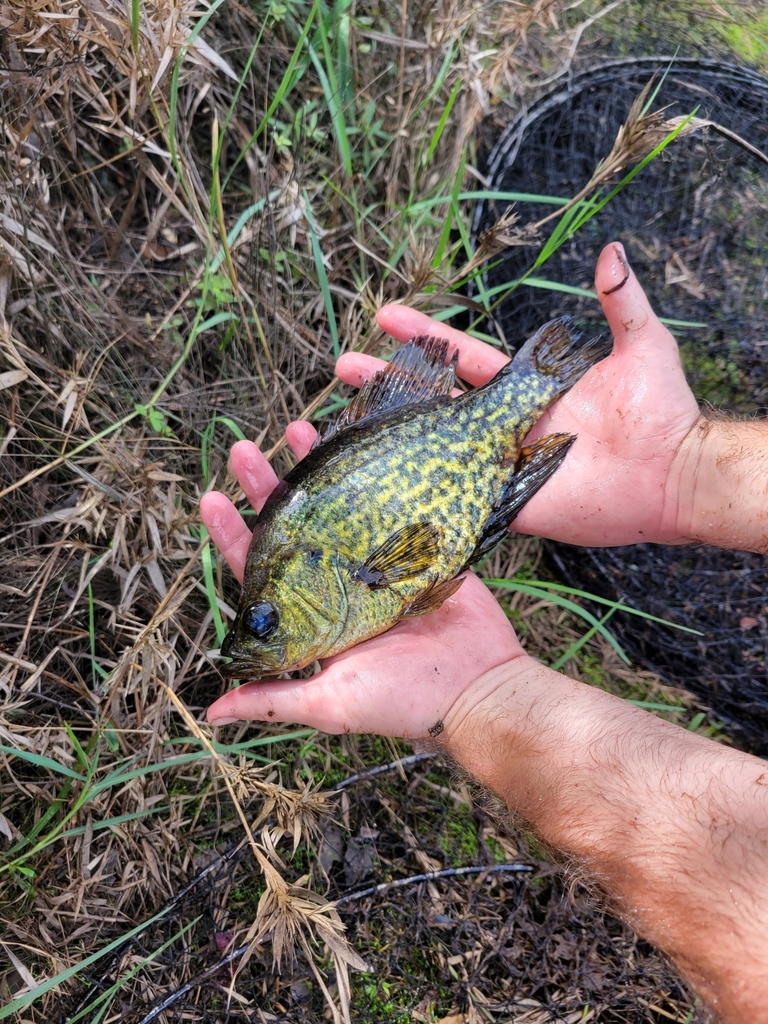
x: 675, y: 827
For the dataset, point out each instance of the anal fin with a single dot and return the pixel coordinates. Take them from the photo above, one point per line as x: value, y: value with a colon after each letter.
x: 431, y: 598
x: 536, y: 463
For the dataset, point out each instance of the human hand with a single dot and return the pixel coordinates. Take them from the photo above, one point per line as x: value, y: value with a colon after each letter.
x: 402, y: 683
x: 631, y: 414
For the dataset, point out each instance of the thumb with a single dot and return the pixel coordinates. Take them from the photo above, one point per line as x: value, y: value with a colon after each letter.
x: 629, y: 314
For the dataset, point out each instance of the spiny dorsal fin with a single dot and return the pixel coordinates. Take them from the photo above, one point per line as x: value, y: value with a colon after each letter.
x: 416, y: 373
x: 406, y: 553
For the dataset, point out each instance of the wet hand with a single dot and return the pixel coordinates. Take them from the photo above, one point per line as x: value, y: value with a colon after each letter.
x: 631, y: 414
x: 402, y: 683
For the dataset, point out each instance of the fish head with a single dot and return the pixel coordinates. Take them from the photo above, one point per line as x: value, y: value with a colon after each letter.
x: 292, y: 610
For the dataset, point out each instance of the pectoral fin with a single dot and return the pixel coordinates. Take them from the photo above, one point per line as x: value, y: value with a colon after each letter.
x: 537, y: 462
x: 403, y: 555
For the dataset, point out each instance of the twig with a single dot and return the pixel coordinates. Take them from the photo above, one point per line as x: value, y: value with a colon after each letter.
x: 430, y: 876
x: 381, y: 769
x: 193, y: 983
x: 225, y: 857
x: 397, y: 884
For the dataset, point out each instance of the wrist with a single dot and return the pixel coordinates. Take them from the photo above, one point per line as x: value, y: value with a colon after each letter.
x: 532, y: 735
x: 671, y: 824
x: 719, y: 484
x: 525, y: 732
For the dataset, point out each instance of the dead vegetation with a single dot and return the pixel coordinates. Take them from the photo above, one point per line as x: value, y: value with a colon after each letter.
x: 201, y: 207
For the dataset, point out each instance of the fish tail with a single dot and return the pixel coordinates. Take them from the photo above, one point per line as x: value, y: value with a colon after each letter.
x: 560, y: 352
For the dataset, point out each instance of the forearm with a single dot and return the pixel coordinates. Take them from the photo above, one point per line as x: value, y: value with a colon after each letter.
x: 674, y: 826
x: 720, y: 484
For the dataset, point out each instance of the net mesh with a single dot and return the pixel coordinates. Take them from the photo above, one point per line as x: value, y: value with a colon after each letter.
x: 695, y: 225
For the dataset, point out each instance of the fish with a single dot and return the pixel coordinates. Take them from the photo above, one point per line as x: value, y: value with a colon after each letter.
x: 408, y: 490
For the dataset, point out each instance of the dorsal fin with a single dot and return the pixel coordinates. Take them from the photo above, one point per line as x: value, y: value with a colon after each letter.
x: 417, y: 372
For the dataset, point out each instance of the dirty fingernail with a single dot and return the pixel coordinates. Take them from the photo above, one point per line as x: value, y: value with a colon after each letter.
x: 619, y: 270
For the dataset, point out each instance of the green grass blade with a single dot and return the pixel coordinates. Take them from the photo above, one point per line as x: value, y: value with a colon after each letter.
x: 120, y: 776
x: 445, y: 234
x: 652, y: 98
x: 334, y: 110
x: 120, y: 819
x: 555, y: 286
x: 650, y: 705
x: 563, y: 602
x: 37, y: 828
x: 322, y: 278
x: 445, y: 69
x: 42, y: 762
x: 216, y: 319
x: 681, y: 323
x: 237, y: 748
x: 489, y: 194
x: 135, y: 19
x: 40, y: 990
x: 618, y: 605
x: 239, y: 224
x: 210, y: 588
x: 206, y: 442
x: 576, y: 646
x: 286, y: 83
x: 112, y: 991
x: 438, y: 132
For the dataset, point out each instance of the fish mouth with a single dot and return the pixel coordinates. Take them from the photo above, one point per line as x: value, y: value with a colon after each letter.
x: 253, y: 668
x: 268, y: 660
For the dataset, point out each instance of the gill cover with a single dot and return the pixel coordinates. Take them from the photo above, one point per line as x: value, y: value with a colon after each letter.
x: 294, y: 614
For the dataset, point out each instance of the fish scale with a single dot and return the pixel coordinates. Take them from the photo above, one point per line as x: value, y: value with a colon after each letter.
x: 391, y: 506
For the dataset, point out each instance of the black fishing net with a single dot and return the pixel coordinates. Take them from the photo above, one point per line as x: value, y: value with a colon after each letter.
x: 695, y: 225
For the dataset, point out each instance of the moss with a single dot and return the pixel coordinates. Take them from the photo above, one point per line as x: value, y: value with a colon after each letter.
x: 246, y: 895
x: 714, y: 378
x: 592, y: 670
x: 496, y: 849
x: 458, y: 840
x: 748, y: 39
x: 382, y: 1000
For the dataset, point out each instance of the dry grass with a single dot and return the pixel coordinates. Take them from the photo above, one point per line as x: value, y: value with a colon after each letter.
x: 190, y: 233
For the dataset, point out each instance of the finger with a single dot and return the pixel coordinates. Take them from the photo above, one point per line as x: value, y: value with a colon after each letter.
x: 478, y: 362
x: 254, y: 473
x: 227, y: 529
x: 300, y: 435
x: 305, y: 701
x: 628, y: 311
x: 355, y: 368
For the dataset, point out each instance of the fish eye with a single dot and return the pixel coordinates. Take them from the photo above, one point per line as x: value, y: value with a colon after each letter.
x: 261, y: 619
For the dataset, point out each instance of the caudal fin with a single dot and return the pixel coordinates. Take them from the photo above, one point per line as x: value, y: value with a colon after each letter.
x: 559, y: 351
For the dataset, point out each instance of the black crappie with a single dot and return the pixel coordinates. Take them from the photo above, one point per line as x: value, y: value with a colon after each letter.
x: 408, y: 490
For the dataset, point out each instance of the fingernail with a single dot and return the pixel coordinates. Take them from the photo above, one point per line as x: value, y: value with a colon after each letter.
x: 222, y: 721
x: 619, y: 270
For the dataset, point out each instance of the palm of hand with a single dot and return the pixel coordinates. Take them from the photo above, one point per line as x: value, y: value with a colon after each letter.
x: 402, y: 683
x: 614, y: 489
x: 631, y: 413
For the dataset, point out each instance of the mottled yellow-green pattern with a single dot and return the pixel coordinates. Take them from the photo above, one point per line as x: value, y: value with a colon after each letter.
x: 441, y: 463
